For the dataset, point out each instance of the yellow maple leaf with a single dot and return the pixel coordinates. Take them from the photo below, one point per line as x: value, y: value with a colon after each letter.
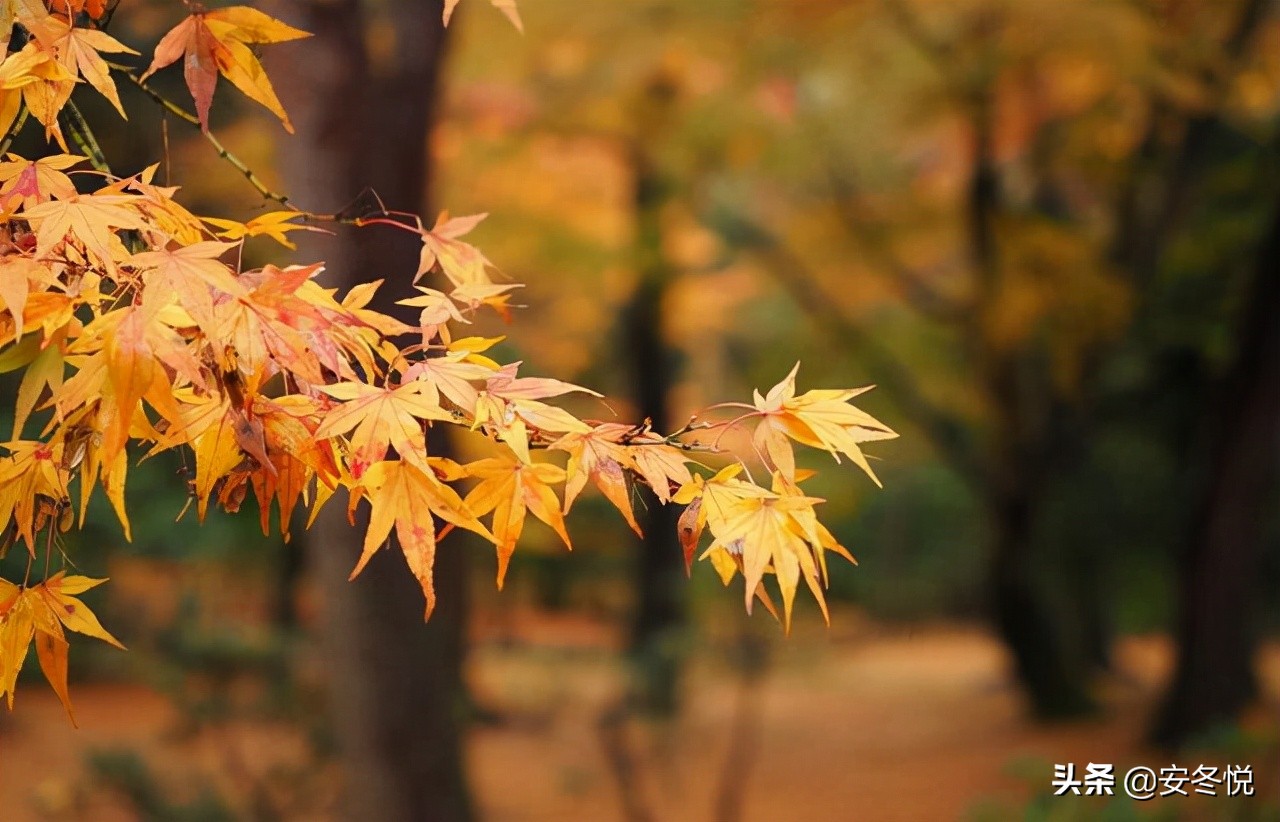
x: 407, y: 498
x: 821, y: 418
x: 509, y: 488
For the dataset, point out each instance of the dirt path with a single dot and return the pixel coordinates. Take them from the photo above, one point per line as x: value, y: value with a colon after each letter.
x: 881, y: 725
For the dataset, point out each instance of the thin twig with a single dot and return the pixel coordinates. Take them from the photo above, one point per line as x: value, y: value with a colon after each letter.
x: 187, y: 117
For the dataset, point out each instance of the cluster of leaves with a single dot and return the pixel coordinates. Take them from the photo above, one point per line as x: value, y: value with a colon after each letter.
x: 138, y: 331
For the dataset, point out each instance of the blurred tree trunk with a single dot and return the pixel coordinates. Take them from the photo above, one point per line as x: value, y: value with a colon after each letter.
x: 364, y: 112
x: 1217, y: 636
x: 660, y: 618
x: 1018, y: 461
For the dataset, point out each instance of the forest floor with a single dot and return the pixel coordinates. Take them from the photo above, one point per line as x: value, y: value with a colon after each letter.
x: 874, y: 722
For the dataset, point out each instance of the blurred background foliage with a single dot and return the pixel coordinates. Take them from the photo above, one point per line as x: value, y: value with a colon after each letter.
x: 1038, y: 227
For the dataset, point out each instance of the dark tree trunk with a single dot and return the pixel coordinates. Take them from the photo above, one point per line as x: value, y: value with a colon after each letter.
x: 1217, y: 635
x: 1025, y: 621
x: 363, y: 119
x: 657, y: 635
x: 1017, y: 467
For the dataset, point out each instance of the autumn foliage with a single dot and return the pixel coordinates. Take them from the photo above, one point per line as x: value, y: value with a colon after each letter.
x: 137, y: 331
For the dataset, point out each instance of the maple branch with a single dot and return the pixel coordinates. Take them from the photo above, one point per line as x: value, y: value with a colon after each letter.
x: 83, y: 137
x: 222, y: 151
x: 380, y: 216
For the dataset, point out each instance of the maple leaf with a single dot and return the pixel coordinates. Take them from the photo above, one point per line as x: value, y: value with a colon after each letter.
x: 599, y: 456
x: 288, y: 426
x: 189, y: 272
x: 217, y: 450
x: 663, y: 467
x: 820, y: 418
x: 60, y: 591
x: 30, y: 477
x: 407, y: 497
x: 40, y: 613
x: 438, y: 309
x: 452, y: 376
x: 39, y: 181
x: 44, y: 84
x: 509, y: 488
x: 759, y: 531
x: 274, y: 224
x: 78, y: 52
x: 46, y: 369
x: 90, y: 219
x: 463, y: 264
x: 507, y: 7
x: 504, y: 383
x: 33, y: 16
x: 388, y: 417
x: 213, y: 42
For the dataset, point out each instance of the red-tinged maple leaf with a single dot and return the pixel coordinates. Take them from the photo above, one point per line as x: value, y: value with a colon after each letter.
x: 507, y: 7
x: 17, y: 627
x: 39, y: 181
x: 459, y: 261
x: 509, y: 488
x: 407, y: 497
x: 213, y: 42
x: 288, y: 427
x: 274, y: 327
x: 689, y: 529
x: 382, y: 418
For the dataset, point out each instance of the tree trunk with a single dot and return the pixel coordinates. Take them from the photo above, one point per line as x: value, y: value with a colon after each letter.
x: 363, y: 117
x: 1025, y: 621
x: 1217, y: 635
x: 657, y: 635
x: 1017, y: 466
